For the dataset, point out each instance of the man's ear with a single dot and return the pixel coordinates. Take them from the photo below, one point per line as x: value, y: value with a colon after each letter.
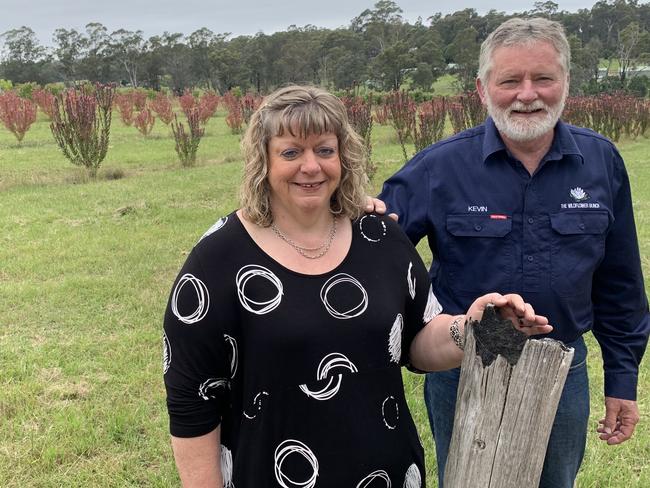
x: 481, y: 90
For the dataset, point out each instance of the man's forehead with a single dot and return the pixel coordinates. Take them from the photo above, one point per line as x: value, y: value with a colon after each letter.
x: 540, y: 54
x: 535, y: 45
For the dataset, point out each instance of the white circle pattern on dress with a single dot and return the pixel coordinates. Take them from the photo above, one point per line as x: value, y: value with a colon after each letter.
x: 234, y: 357
x: 250, y: 271
x: 413, y: 479
x: 167, y: 354
x: 202, y: 296
x: 379, y: 474
x: 395, y: 339
x: 226, y: 467
x: 433, y: 307
x: 208, y: 387
x: 390, y: 404
x: 411, y: 281
x: 215, y: 227
x: 329, y: 362
x: 257, y: 405
x: 335, y: 280
x: 288, y: 448
x: 367, y: 235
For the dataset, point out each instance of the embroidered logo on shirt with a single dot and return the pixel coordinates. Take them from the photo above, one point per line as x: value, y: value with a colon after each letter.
x: 578, y: 194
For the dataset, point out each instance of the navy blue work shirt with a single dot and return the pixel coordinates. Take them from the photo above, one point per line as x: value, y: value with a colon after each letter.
x: 563, y: 238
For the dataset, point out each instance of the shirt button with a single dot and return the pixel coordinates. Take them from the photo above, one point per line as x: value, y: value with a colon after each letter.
x: 582, y: 226
x: 530, y: 259
x: 478, y: 228
x: 531, y: 220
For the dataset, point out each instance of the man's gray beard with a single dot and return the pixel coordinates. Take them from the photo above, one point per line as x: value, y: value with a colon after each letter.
x: 523, y: 130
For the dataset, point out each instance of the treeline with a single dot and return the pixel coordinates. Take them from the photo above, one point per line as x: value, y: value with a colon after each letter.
x: 378, y: 49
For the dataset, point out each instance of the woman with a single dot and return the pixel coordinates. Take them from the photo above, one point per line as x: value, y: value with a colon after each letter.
x: 289, y: 321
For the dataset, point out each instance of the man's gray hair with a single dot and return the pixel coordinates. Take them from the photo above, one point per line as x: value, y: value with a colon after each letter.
x: 518, y: 31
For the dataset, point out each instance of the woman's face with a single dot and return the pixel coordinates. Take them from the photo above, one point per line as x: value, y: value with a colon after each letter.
x: 303, y: 173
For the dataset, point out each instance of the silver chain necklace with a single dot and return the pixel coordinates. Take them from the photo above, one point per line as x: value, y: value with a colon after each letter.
x: 305, y: 251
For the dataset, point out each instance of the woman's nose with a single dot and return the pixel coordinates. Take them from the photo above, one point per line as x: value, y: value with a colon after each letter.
x: 309, y: 163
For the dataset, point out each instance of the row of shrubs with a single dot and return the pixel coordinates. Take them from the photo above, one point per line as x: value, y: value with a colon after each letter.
x: 81, y: 117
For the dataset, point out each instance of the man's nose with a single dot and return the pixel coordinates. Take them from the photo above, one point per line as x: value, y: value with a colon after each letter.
x: 527, y: 92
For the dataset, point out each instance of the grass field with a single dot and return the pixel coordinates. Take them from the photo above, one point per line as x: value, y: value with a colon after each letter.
x: 85, y: 270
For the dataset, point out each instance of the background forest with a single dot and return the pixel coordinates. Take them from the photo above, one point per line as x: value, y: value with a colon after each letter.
x: 377, y: 50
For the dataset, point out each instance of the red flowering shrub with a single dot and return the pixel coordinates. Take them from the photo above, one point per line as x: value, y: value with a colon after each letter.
x: 208, y: 104
x: 139, y: 98
x: 81, y: 125
x: 402, y: 110
x: 187, y: 102
x: 17, y: 114
x: 45, y: 101
x: 187, y: 141
x: 125, y: 106
x: 431, y: 118
x: 235, y: 117
x: 162, y: 105
x: 360, y: 117
x: 144, y: 121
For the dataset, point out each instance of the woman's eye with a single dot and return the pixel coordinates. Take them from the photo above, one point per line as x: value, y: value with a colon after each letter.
x: 289, y: 154
x: 326, y: 151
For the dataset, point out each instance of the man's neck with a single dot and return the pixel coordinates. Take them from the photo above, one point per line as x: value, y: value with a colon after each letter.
x: 530, y: 153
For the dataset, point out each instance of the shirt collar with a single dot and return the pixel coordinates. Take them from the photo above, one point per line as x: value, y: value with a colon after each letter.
x: 563, y: 142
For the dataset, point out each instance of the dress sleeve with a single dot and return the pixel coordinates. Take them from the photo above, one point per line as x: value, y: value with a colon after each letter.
x: 621, y: 320
x: 198, y: 352
x: 420, y: 304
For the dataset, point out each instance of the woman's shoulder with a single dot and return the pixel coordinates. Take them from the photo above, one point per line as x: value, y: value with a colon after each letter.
x: 222, y: 235
x: 376, y: 228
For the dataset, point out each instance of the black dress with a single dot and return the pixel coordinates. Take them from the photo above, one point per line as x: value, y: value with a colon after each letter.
x: 302, y: 372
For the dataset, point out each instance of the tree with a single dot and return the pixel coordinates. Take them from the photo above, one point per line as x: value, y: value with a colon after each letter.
x: 628, y: 42
x: 546, y: 8
x: 176, y: 61
x: 24, y: 56
x: 68, y: 50
x: 95, y: 65
x: 127, y: 48
x: 464, y: 51
x: 343, y: 63
x: 202, y: 43
x: 391, y: 65
x: 584, y: 63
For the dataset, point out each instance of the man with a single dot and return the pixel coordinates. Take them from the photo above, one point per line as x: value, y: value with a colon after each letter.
x: 527, y: 204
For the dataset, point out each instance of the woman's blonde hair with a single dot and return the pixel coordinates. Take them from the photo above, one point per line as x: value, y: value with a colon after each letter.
x: 301, y: 111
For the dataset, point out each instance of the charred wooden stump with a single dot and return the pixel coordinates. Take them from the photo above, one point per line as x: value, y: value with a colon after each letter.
x: 509, y: 390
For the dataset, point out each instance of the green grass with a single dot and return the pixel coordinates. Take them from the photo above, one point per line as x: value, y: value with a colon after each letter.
x: 85, y: 269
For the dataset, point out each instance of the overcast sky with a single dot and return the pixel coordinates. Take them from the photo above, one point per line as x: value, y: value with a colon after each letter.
x: 239, y: 17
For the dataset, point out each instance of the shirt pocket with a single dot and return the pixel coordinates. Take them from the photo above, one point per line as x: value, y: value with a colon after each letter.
x: 577, y: 249
x: 478, y: 255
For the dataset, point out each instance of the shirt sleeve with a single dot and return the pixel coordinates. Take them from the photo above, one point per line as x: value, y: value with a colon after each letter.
x: 621, y: 320
x: 198, y: 352
x: 407, y: 194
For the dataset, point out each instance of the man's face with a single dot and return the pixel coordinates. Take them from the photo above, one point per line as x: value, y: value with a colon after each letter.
x: 525, y: 91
